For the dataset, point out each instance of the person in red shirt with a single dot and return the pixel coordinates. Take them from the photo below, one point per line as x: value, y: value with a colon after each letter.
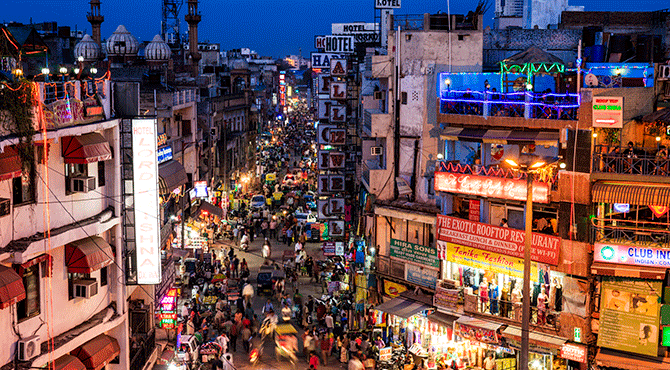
x: 313, y: 361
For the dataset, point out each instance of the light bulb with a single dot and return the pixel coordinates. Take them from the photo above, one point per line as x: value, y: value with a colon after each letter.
x: 62, y: 70
x: 94, y: 70
x: 45, y: 71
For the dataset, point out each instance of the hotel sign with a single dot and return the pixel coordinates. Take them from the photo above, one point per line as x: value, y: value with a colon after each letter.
x: 503, y: 240
x: 630, y: 255
x: 492, y: 187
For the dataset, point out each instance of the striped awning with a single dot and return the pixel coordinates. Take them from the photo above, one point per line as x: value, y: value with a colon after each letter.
x: 631, y: 193
x: 501, y: 137
x: 402, y: 307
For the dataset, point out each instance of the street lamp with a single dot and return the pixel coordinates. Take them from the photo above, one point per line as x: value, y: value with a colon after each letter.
x: 529, y: 166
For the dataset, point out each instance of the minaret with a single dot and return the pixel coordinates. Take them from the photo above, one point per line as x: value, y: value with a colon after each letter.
x: 193, y: 18
x: 96, y: 19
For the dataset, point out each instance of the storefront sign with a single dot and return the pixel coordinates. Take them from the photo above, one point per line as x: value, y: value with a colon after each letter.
x: 629, y: 255
x: 333, y: 248
x: 474, y: 333
x: 392, y: 289
x: 445, y: 298
x: 164, y: 154
x: 492, y: 187
x: 473, y: 210
x: 322, y: 60
x: 498, y: 239
x: 416, y: 253
x: 200, y: 188
x: 421, y: 275
x: 574, y: 352
x: 385, y: 353
x: 629, y: 316
x: 608, y: 111
x: 338, y: 44
x: 488, y: 261
x: 147, y: 216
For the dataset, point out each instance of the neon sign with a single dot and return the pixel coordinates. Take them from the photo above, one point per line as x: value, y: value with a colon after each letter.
x: 494, y: 187
x: 631, y: 255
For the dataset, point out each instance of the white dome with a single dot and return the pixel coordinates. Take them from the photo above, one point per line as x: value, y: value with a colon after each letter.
x: 122, y: 42
x: 157, y: 50
x: 87, y: 48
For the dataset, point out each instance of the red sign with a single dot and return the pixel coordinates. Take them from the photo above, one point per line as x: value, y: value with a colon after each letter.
x: 494, y: 187
x: 574, y: 352
x: 503, y: 240
x: 473, y: 210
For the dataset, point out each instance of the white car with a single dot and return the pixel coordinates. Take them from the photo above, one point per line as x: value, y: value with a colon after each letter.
x: 188, y: 349
x: 257, y: 201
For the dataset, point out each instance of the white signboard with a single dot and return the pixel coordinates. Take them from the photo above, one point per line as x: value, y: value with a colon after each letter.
x: 338, y: 90
x: 145, y: 183
x: 337, y: 113
x: 338, y: 67
x: 354, y: 28
x: 608, y: 111
x: 339, y: 44
x: 387, y: 4
x: 322, y: 60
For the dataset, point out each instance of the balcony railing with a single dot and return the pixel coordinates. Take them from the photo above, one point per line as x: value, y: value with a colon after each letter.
x: 386, y: 266
x: 508, y: 310
x: 494, y: 171
x: 141, y: 349
x: 184, y: 97
x: 634, y: 162
x: 638, y: 232
x: 513, y: 104
x: 408, y: 22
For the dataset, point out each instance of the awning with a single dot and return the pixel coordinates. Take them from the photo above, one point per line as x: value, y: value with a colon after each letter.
x: 402, y: 307
x: 87, y: 148
x: 172, y: 175
x: 211, y: 209
x: 11, y: 287
x: 97, y: 352
x: 87, y: 255
x: 502, y: 137
x: 442, y: 318
x: 471, y: 321
x: 642, y: 272
x: 627, y: 361
x: 539, y: 339
x: 68, y: 362
x: 631, y: 193
x: 10, y: 164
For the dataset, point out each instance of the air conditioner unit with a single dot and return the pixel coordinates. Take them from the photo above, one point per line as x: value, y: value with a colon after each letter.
x: 664, y: 72
x: 29, y: 348
x: 375, y: 150
x: 4, y: 207
x: 82, y: 184
x: 85, y: 288
x: 379, y: 95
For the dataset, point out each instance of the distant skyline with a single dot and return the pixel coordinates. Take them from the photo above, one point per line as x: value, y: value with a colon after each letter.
x: 271, y: 28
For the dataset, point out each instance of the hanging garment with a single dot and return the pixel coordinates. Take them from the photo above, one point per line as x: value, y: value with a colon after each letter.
x: 559, y: 298
x: 536, y: 292
x: 504, y: 303
x: 493, y: 295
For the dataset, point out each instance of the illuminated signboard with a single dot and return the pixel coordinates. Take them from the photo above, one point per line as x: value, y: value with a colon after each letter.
x: 631, y: 255
x: 201, y: 189
x: 574, y: 352
x: 147, y: 216
x: 493, y: 187
x: 622, y: 207
x: 387, y: 4
x: 164, y: 154
x: 608, y: 111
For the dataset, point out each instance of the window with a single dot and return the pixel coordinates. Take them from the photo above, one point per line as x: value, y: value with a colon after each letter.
x: 103, y: 276
x: 403, y: 98
x: 461, y: 37
x: 30, y: 307
x: 71, y: 278
x: 74, y: 170
x: 23, y: 187
x: 101, y: 173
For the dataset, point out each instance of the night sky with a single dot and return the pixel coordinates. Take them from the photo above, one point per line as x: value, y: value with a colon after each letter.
x: 270, y: 27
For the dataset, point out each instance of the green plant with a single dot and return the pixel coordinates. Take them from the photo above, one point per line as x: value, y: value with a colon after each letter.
x: 17, y: 102
x: 610, y: 136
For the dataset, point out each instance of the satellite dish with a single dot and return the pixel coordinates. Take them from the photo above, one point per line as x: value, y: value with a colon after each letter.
x: 591, y: 80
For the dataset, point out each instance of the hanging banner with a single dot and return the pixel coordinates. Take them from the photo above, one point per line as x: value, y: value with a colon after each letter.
x: 488, y: 261
x: 504, y: 240
x: 421, y: 276
x: 488, y: 186
x: 629, y: 316
x: 416, y: 253
x: 392, y: 289
x: 445, y: 298
x: 608, y: 111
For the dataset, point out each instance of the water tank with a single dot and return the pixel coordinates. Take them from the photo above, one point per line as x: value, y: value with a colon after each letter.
x: 589, y: 35
x: 597, y: 54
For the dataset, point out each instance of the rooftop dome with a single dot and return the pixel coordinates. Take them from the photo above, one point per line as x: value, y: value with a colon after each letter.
x: 157, y: 50
x: 87, y: 49
x: 122, y: 42
x: 239, y: 64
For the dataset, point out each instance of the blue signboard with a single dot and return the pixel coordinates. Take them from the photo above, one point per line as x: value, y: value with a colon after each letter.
x: 164, y: 154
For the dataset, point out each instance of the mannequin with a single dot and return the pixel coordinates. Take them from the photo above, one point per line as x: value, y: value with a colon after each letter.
x: 552, y: 294
x: 516, y: 301
x: 483, y: 295
x: 504, y: 301
x: 493, y: 295
x: 558, y: 298
x: 542, y: 299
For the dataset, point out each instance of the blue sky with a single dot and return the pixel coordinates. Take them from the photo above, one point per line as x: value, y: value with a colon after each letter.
x: 271, y: 27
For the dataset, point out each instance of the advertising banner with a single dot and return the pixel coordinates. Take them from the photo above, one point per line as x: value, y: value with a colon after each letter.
x: 416, y: 253
x: 145, y: 187
x: 392, y: 289
x: 445, y: 298
x: 608, y: 111
x: 421, y: 276
x: 630, y: 255
x: 629, y: 316
x: 488, y: 261
x: 492, y: 187
x: 504, y: 240
x: 322, y: 60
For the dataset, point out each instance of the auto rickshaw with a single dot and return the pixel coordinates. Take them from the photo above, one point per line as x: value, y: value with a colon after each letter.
x: 286, y: 341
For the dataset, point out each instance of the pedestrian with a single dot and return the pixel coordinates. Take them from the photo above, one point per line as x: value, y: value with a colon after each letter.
x: 234, y: 264
x: 264, y: 228
x: 314, y: 360
x: 329, y: 322
x: 236, y: 233
x: 490, y: 362
x: 248, y: 293
x: 246, y: 335
x: 289, y: 236
x: 223, y: 340
x: 325, y: 348
x: 355, y: 363
x: 244, y: 265
x: 185, y: 311
x: 234, y: 332
x: 190, y: 327
x: 273, y: 228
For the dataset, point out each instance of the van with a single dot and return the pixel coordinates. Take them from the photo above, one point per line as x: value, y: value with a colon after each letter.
x: 187, y: 350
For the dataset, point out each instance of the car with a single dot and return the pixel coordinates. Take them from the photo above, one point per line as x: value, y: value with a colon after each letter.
x: 188, y: 349
x: 257, y: 201
x: 289, y: 180
x: 267, y: 275
x: 305, y: 217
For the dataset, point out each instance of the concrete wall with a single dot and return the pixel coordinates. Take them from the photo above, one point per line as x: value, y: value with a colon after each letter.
x: 499, y: 44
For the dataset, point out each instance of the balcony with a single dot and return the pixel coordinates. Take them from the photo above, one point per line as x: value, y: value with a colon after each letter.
x: 507, y: 311
x: 183, y: 97
x: 527, y: 105
x: 376, y: 123
x: 631, y: 232
x: 636, y: 161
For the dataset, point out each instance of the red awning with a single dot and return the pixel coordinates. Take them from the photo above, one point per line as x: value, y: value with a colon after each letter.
x: 97, y: 352
x: 68, y: 362
x: 10, y: 163
x: 86, y: 148
x: 11, y: 287
x: 87, y: 255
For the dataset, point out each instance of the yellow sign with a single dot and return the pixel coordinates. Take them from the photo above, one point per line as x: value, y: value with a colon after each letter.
x: 392, y: 289
x: 489, y: 261
x: 271, y: 177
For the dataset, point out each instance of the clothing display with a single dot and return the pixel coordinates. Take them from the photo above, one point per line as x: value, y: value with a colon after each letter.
x: 493, y: 296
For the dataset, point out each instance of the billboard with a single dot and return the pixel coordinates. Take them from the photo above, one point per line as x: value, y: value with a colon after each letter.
x: 342, y: 44
x: 607, y: 111
x: 362, y: 32
x: 489, y: 186
x: 322, y: 60
x: 387, y: 4
x: 145, y: 195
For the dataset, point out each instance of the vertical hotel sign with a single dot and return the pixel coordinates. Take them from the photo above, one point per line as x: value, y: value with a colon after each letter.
x: 145, y: 195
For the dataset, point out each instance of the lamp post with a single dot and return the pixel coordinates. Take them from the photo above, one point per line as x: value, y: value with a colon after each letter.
x: 528, y: 167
